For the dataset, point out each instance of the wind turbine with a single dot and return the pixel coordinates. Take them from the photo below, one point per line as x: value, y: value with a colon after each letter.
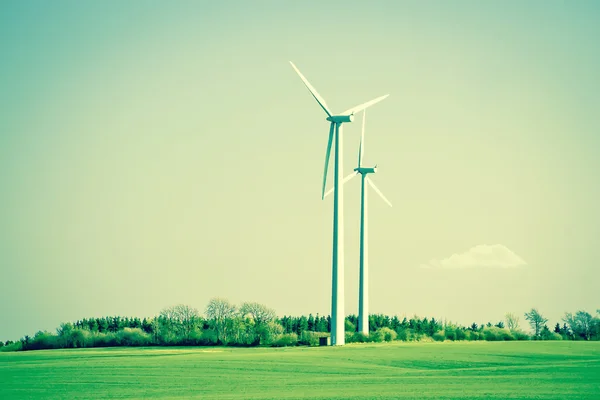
x: 335, y: 129
x: 363, y: 291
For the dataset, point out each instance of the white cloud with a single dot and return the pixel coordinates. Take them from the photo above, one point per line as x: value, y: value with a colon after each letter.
x: 483, y: 255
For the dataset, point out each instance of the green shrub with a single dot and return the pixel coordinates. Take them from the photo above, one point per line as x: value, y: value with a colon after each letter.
x: 489, y: 335
x: 383, y: 335
x: 194, y: 338
x: 388, y: 334
x: 450, y: 333
x: 309, y: 338
x: 376, y: 337
x: 439, y: 336
x: 108, y: 339
x: 520, y: 335
x: 360, y: 337
x: 16, y: 346
x: 43, y: 340
x: 167, y: 338
x: 422, y: 338
x: 208, y: 338
x: 493, y: 333
x: 133, y: 337
x: 286, y: 339
x: 348, y: 335
x: 245, y: 338
x: 77, y: 337
x: 269, y: 332
x: 418, y: 337
x: 349, y: 326
x: 553, y: 336
x: 402, y: 334
x: 460, y: 334
x: 504, y: 334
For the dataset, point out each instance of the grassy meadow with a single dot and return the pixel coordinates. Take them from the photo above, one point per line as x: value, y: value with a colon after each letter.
x: 446, y: 370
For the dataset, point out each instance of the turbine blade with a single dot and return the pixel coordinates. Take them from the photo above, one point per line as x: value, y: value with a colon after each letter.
x: 363, y: 106
x: 362, y: 140
x: 378, y: 191
x: 327, y: 159
x: 312, y: 90
x: 346, y: 179
x: 350, y: 176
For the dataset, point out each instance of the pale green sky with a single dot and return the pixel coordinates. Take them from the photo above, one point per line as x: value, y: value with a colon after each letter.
x: 154, y: 154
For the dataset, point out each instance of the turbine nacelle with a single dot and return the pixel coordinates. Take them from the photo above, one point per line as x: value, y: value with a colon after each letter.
x: 365, y: 171
x: 341, y: 118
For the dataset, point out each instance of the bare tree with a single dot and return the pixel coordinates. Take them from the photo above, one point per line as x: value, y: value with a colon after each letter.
x: 188, y: 317
x: 181, y: 319
x: 261, y: 314
x: 512, y: 321
x: 536, y: 321
x: 220, y: 312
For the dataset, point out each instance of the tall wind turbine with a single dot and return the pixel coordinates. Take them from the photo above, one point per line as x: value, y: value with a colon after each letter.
x: 337, y: 282
x: 363, y: 291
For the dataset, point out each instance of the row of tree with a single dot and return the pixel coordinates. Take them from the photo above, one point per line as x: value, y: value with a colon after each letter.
x: 253, y: 324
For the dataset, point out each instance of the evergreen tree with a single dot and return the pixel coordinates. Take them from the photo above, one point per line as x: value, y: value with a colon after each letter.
x: 284, y: 323
x: 146, y: 326
x: 311, y: 323
x: 418, y: 326
x: 412, y: 324
x: 353, y: 319
x: 372, y: 323
x: 557, y: 328
x: 545, y: 333
x: 425, y: 325
x: 294, y: 325
x: 433, y: 327
x: 113, y: 324
x: 395, y: 323
x: 302, y: 325
x: 102, y: 325
x: 566, y: 331
x: 386, y: 321
x: 323, y: 324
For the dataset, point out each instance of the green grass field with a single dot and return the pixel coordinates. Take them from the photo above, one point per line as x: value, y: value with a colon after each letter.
x: 465, y: 370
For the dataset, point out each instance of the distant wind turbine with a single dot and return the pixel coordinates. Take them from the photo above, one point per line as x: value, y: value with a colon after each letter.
x: 337, y: 290
x: 363, y: 291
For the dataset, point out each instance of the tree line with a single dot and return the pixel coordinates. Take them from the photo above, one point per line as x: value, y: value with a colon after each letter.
x: 254, y: 324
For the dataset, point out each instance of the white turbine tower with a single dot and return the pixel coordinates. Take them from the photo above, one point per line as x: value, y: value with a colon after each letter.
x: 363, y: 291
x: 337, y: 284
